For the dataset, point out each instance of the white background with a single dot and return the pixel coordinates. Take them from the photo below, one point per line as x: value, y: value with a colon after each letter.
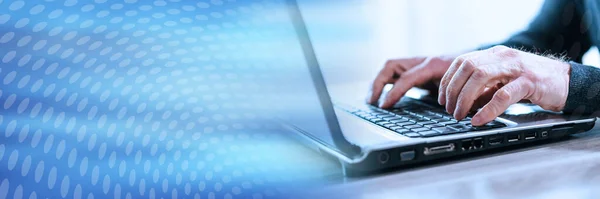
x: 354, y: 38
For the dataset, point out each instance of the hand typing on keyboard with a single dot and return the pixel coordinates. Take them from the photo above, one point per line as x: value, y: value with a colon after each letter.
x: 491, y: 79
x: 507, y: 76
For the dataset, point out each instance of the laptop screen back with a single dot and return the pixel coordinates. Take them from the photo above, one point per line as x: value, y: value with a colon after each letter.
x: 306, y: 103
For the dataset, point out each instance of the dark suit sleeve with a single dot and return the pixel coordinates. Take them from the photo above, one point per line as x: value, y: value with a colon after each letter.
x: 584, y: 90
x: 559, y: 28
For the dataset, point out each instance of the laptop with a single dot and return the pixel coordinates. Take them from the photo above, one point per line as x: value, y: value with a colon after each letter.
x: 366, y: 139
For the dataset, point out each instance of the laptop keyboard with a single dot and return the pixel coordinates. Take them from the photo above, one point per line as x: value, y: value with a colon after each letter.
x: 418, y: 120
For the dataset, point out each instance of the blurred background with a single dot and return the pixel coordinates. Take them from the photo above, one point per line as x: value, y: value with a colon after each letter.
x: 357, y: 37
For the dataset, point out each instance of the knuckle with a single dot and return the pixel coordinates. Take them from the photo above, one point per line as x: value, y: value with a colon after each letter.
x: 434, y: 61
x: 460, y: 59
x: 468, y: 64
x: 497, y: 48
x: 389, y: 63
x: 480, y: 73
x: 507, y: 52
x: 502, y: 96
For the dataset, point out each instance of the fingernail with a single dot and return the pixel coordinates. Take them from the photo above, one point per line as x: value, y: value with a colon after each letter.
x: 476, y: 121
x: 457, y: 114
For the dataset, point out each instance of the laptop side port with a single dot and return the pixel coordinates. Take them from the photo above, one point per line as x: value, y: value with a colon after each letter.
x: 513, y: 138
x: 439, y: 149
x: 529, y: 135
x: 544, y: 134
x: 477, y: 143
x: 472, y: 144
x: 384, y: 157
x: 467, y: 144
x: 496, y: 140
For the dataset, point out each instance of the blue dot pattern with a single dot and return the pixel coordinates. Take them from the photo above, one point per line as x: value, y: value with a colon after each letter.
x: 141, y: 99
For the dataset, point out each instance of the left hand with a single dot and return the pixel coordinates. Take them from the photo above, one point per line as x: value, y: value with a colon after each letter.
x: 501, y: 76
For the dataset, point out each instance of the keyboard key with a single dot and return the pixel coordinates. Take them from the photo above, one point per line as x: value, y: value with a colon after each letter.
x: 399, y: 112
x: 448, y: 123
x: 389, y: 118
x: 390, y: 125
x: 433, y: 117
x: 412, y: 135
x: 465, y: 122
x: 370, y: 117
x: 435, y: 125
x: 398, y: 120
x: 419, y: 120
x: 382, y: 123
x: 427, y: 123
x: 413, y: 126
x: 396, y: 128
x: 429, y: 133
x: 412, y: 117
x: 460, y: 127
x: 376, y: 120
x: 402, y: 131
x: 445, y: 130
x: 362, y: 114
x: 420, y: 129
x: 405, y: 124
x: 438, y: 120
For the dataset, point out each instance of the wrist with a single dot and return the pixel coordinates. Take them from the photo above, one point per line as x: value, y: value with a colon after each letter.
x: 565, y: 71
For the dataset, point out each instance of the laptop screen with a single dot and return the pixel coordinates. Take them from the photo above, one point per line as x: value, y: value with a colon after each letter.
x: 306, y: 101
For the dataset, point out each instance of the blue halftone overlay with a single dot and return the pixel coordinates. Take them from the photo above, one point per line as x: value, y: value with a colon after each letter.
x: 145, y: 99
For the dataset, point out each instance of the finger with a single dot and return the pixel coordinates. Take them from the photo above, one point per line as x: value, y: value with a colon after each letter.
x: 389, y: 74
x: 411, y: 78
x: 446, y: 79
x: 385, y: 76
x: 484, y: 98
x: 507, y: 95
x: 472, y: 89
x: 457, y: 82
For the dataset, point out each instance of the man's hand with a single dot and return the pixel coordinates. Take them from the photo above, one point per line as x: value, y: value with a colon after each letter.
x: 504, y: 76
x: 405, y: 74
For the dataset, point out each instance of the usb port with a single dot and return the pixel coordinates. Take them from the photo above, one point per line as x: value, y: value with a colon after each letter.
x: 530, y: 135
x: 513, y: 138
x: 496, y: 140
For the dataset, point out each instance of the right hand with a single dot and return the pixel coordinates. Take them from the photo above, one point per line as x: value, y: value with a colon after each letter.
x: 408, y: 73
